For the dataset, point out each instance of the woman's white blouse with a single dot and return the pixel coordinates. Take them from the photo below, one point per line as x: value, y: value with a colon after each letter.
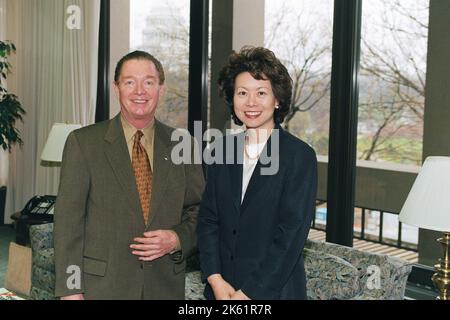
x: 251, y: 156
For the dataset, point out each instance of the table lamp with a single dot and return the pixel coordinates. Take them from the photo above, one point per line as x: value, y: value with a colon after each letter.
x: 56, y: 140
x: 39, y: 209
x: 428, y: 207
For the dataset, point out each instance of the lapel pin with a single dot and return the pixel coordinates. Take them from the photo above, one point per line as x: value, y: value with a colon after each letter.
x: 165, y: 158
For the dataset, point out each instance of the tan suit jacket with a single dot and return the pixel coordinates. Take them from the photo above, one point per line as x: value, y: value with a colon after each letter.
x: 97, y: 215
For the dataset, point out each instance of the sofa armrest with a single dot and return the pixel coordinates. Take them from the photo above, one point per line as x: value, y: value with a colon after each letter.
x: 329, y: 277
x: 43, y: 262
x: 41, y: 236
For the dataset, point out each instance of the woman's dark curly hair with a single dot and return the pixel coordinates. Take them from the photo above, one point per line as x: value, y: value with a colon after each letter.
x: 262, y: 64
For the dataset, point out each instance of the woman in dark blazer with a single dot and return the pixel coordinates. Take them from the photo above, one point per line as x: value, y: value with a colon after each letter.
x: 260, y: 198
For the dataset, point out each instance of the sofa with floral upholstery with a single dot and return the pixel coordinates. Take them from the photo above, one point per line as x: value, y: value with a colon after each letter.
x: 333, y: 271
x: 336, y: 272
x: 339, y: 272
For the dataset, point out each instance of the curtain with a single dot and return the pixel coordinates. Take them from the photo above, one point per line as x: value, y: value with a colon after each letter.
x: 56, y: 82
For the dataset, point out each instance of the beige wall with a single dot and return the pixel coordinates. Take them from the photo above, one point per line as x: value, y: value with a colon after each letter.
x: 248, y: 23
x: 247, y: 28
x: 120, y: 44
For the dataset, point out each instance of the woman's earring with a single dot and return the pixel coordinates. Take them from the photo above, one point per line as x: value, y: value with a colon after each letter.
x: 277, y: 106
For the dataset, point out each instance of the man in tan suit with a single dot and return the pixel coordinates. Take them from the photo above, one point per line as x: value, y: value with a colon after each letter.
x: 125, y: 215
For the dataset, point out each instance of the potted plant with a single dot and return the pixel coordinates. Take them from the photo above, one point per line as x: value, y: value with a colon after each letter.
x: 10, y: 108
x: 10, y: 111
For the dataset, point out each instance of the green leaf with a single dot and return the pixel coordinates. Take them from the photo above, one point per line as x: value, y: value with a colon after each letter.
x: 11, y: 109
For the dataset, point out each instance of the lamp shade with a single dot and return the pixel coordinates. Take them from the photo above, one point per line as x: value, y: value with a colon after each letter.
x: 428, y: 203
x: 56, y: 140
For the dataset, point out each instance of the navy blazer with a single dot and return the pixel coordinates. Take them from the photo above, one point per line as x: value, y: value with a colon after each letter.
x: 257, y: 246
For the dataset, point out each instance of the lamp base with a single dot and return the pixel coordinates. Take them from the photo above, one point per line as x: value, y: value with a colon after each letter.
x: 441, y: 278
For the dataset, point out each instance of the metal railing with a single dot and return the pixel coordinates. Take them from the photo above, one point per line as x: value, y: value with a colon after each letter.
x: 362, y: 234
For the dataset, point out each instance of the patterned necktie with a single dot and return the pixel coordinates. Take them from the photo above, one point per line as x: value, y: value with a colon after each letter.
x: 143, y: 174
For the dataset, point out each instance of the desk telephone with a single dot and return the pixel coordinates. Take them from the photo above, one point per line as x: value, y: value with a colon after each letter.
x: 37, y: 211
x: 40, y: 206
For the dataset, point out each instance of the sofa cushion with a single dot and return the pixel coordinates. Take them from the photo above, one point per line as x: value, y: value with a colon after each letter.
x: 329, y: 277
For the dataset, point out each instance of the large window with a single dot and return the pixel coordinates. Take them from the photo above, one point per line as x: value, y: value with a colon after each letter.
x: 391, y: 98
x: 162, y: 29
x: 392, y: 80
x: 300, y: 34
